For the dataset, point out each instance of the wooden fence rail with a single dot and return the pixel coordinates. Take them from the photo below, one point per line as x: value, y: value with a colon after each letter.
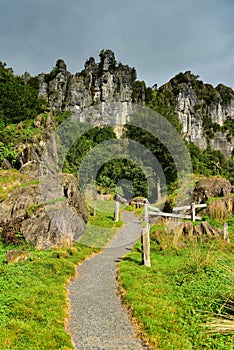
x: 153, y: 211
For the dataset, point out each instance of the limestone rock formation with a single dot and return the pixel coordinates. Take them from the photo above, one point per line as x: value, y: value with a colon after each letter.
x: 204, y: 111
x: 186, y: 229
x: 50, y: 214
x: 98, y: 84
x: 209, y: 188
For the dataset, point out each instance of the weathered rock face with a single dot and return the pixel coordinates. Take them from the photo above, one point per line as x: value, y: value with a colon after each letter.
x: 51, y: 214
x: 209, y: 188
x: 204, y: 111
x: 99, y: 83
x: 191, y: 121
x: 187, y: 229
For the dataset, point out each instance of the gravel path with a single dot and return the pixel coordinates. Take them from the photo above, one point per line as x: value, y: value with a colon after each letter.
x: 98, y: 320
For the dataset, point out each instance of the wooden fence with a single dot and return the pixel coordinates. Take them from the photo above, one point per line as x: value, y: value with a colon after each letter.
x: 153, y: 211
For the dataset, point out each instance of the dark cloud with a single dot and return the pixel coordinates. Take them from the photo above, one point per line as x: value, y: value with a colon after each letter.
x: 160, y: 38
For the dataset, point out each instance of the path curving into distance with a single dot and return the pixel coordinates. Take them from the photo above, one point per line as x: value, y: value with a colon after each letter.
x: 98, y: 319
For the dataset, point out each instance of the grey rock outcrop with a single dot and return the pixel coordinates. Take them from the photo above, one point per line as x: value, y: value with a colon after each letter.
x: 203, y: 111
x: 191, y: 121
x: 210, y: 188
x: 98, y: 84
x: 51, y: 214
x: 186, y: 229
x: 206, y: 229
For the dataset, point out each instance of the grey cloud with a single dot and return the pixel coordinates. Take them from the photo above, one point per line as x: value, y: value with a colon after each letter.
x: 160, y: 38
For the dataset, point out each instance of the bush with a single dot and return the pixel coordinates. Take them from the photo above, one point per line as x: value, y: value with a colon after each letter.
x: 10, y: 232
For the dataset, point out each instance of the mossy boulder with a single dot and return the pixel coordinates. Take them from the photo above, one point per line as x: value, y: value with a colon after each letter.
x: 210, y: 188
x: 51, y: 213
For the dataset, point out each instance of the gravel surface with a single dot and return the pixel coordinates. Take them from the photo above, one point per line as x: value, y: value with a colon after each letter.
x: 98, y: 320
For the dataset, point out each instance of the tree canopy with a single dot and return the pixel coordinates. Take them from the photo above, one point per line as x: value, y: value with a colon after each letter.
x: 18, y: 100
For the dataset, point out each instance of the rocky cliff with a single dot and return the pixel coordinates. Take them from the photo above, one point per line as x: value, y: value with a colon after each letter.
x: 98, y: 84
x: 205, y: 113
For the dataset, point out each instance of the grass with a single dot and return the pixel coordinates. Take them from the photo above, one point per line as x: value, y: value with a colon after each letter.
x: 101, y: 229
x: 103, y: 206
x: 33, y: 297
x: 12, y: 179
x: 181, y: 299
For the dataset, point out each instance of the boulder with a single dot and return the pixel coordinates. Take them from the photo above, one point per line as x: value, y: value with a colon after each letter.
x: 209, y: 188
x: 6, y: 164
x: 206, y: 229
x: 187, y: 229
x: 184, y: 229
x: 14, y: 256
x: 31, y: 168
x: 52, y: 213
x: 30, y: 152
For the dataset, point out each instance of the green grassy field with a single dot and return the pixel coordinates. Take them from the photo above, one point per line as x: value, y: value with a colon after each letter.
x: 186, y: 299
x: 33, y: 298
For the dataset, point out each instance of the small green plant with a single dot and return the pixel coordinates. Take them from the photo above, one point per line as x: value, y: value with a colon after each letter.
x: 8, y: 152
x: 32, y: 209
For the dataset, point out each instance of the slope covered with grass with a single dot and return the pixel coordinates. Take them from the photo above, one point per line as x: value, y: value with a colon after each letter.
x: 186, y: 299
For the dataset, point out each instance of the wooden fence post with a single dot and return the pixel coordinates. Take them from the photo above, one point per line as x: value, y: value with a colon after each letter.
x: 145, y: 246
x: 225, y: 232
x: 146, y: 217
x: 116, y: 211
x: 158, y: 190
x: 193, y: 212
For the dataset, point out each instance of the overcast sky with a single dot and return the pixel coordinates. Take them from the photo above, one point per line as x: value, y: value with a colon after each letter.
x: 160, y: 38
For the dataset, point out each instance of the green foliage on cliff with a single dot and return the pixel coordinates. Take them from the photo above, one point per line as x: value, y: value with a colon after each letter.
x: 211, y: 163
x: 19, y: 101
x: 206, y: 95
x: 205, y: 92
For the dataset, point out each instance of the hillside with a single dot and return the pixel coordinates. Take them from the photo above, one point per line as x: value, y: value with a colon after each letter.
x: 62, y: 134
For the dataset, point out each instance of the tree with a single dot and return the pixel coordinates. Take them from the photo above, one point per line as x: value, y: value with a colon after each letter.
x: 18, y: 101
